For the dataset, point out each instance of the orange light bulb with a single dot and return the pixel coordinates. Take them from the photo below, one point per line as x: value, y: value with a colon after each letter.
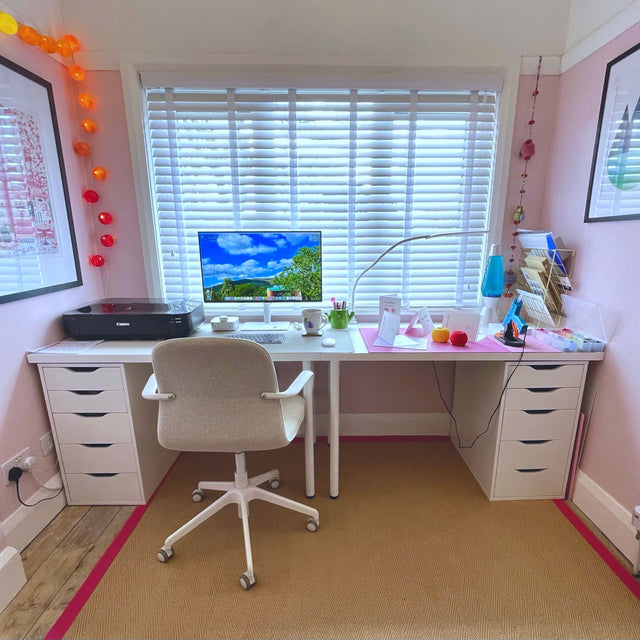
x: 89, y: 125
x: 47, y: 44
x: 82, y: 148
x: 87, y: 101
x: 72, y: 41
x: 76, y: 72
x: 28, y: 35
x: 65, y: 49
x: 99, y: 173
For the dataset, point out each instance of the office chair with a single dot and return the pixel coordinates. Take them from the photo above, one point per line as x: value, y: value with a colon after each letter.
x: 221, y: 394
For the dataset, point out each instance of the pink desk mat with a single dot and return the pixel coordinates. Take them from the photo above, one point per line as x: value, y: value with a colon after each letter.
x: 488, y: 344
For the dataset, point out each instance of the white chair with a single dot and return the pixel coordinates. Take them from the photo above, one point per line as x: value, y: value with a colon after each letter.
x: 221, y: 394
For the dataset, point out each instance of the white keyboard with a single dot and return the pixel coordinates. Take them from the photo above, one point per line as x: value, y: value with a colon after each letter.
x: 259, y: 337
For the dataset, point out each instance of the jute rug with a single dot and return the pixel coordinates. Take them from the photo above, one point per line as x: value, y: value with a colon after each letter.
x: 411, y: 549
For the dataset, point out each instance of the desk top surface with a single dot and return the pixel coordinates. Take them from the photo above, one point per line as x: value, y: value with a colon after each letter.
x: 350, y: 345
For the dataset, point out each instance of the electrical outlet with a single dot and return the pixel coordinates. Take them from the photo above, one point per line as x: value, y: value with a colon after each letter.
x: 16, y: 461
x: 46, y: 443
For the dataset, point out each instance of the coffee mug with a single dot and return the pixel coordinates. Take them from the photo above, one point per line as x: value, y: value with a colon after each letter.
x: 340, y: 318
x: 313, y: 320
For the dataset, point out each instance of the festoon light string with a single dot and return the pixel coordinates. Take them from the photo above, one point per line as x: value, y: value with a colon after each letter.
x: 66, y: 47
x: 527, y: 150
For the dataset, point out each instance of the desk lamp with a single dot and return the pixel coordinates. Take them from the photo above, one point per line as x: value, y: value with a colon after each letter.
x: 426, y: 236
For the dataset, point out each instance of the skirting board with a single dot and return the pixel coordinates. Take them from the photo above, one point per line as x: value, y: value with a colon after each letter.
x: 25, y: 523
x: 386, y: 424
x: 12, y: 577
x: 607, y: 514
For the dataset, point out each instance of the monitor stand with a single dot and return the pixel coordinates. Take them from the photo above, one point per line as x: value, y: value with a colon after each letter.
x: 267, y: 324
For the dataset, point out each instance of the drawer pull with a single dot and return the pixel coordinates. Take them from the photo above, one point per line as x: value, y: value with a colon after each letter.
x: 530, y: 470
x: 545, y: 367
x: 534, y: 441
x: 92, y: 415
x: 102, y: 475
x: 86, y: 392
x: 97, y: 445
x: 543, y: 390
x: 82, y: 369
x: 538, y: 411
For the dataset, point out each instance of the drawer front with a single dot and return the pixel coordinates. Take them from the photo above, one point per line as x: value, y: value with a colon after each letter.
x: 92, y: 427
x: 530, y: 483
x: 87, y: 402
x: 119, y: 488
x: 538, y: 424
x: 547, y: 375
x: 532, y: 454
x: 84, y: 378
x: 84, y: 458
x: 563, y: 398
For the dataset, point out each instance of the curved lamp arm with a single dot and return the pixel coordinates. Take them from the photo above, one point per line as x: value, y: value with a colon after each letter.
x: 426, y: 236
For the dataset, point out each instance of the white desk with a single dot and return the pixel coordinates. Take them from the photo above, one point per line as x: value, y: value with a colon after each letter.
x: 546, y: 391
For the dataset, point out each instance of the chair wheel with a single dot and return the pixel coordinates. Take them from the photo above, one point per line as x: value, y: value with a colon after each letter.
x: 312, y: 525
x: 197, y: 495
x: 246, y: 582
x: 165, y: 555
x: 274, y: 483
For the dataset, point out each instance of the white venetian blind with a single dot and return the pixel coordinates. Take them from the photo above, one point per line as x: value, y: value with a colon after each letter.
x: 365, y: 167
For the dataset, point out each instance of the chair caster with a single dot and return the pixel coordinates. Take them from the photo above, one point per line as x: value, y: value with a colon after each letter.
x: 197, y: 495
x: 274, y: 483
x: 312, y: 525
x: 247, y: 582
x: 164, y: 555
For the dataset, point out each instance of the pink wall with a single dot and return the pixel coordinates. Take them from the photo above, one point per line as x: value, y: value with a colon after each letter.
x: 607, y: 272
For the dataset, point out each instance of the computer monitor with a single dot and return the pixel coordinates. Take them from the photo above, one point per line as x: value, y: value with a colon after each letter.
x: 261, y: 266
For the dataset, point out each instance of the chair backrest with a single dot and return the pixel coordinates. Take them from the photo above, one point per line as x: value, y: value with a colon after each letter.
x: 217, y: 384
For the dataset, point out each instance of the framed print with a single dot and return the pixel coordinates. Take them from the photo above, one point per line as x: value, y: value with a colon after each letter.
x: 38, y: 252
x: 614, y: 185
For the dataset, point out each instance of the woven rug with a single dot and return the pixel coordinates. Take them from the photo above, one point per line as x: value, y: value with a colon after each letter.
x: 411, y: 549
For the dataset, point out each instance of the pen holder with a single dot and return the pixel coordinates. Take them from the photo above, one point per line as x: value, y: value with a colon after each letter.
x: 340, y: 318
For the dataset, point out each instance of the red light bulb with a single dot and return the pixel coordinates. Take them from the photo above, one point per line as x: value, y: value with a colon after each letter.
x: 104, y: 217
x: 91, y: 196
x: 96, y: 260
x: 107, y: 240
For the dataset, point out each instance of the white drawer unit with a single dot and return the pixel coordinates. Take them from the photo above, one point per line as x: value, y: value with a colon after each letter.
x: 526, y: 451
x: 104, y: 433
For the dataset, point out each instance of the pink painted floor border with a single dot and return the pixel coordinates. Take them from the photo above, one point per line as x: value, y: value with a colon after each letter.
x: 83, y: 594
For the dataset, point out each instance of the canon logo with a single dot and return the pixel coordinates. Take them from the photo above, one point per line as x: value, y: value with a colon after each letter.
x: 123, y: 324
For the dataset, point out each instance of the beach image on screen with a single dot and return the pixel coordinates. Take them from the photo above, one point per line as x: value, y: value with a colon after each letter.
x: 240, y: 266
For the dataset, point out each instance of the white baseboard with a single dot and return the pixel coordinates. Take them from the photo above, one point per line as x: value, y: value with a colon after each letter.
x: 387, y: 424
x: 25, y: 523
x: 12, y: 577
x: 607, y: 514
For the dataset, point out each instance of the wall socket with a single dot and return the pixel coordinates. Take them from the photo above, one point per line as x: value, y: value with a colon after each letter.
x: 16, y: 461
x: 46, y: 443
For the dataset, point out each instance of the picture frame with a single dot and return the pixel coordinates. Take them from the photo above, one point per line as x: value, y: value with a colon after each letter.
x: 38, y: 252
x: 614, y: 183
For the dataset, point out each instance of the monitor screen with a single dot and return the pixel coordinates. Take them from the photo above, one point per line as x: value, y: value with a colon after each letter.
x: 267, y: 266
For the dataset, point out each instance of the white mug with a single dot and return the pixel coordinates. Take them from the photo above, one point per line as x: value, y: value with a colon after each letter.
x: 313, y: 320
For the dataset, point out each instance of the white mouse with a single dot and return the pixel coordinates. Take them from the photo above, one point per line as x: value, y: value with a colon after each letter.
x: 328, y: 342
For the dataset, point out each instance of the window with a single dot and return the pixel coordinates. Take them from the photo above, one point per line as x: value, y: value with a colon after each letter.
x: 365, y: 167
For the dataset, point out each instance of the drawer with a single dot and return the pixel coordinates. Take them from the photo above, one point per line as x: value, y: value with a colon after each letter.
x: 530, y: 483
x: 92, y: 427
x: 87, y: 458
x: 562, y: 398
x: 538, y: 424
x: 82, y: 378
x: 112, y: 488
x: 533, y: 454
x: 547, y: 375
x: 87, y: 401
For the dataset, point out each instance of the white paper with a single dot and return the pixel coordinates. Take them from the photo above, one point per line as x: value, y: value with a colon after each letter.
x: 463, y: 321
x: 424, y: 318
x: 389, y: 326
x: 390, y: 304
x: 404, y: 342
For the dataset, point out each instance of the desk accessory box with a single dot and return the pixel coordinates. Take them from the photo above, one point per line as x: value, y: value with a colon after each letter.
x: 225, y: 323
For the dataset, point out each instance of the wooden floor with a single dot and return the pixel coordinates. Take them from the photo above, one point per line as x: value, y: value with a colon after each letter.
x: 58, y: 561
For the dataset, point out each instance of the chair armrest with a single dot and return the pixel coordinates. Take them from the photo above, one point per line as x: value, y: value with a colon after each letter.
x: 304, y: 377
x: 150, y: 391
